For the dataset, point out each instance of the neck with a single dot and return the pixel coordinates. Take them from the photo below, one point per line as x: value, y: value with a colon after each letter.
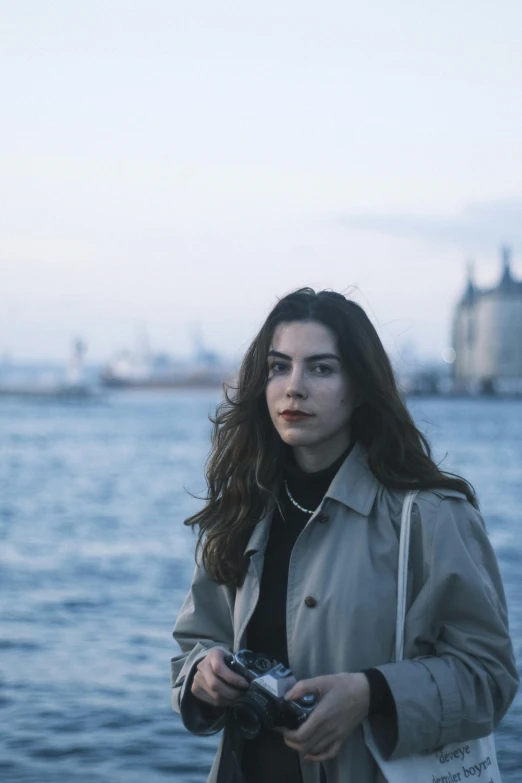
x: 321, y: 455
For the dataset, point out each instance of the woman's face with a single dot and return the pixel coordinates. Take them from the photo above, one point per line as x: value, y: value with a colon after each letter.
x: 309, y: 395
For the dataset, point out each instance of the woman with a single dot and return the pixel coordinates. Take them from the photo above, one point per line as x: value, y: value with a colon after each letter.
x: 298, y: 555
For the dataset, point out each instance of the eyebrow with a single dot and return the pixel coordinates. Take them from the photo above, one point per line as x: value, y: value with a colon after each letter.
x: 316, y: 357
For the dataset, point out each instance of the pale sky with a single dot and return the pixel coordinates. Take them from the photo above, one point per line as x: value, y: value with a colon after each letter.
x: 164, y: 164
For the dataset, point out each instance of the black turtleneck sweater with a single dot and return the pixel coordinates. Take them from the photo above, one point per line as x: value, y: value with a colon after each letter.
x: 267, y: 759
x: 267, y: 628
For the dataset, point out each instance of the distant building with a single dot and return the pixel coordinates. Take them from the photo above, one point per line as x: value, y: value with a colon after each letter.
x: 487, y: 335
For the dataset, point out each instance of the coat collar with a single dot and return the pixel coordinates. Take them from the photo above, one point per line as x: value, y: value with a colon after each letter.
x: 354, y: 484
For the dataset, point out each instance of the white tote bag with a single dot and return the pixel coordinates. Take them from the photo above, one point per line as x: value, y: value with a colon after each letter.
x: 460, y: 761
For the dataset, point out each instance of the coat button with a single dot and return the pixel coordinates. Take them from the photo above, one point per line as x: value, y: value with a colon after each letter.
x: 310, y: 601
x: 322, y: 517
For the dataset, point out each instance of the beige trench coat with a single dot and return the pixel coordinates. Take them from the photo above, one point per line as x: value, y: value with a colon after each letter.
x: 460, y: 676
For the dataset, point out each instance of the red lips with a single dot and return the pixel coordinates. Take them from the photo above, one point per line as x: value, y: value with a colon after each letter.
x: 294, y: 415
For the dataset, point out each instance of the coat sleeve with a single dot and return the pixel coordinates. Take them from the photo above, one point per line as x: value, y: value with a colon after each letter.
x: 461, y: 688
x: 205, y: 621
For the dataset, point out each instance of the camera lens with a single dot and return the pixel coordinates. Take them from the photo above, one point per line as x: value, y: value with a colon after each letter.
x: 256, y: 711
x: 247, y: 720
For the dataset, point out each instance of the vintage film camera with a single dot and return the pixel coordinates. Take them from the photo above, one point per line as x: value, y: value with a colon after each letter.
x: 264, y: 705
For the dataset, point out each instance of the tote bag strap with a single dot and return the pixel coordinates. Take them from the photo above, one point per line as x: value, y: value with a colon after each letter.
x: 402, y: 578
x: 445, y: 764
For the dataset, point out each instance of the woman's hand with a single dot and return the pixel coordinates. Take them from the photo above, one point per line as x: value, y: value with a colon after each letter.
x: 344, y: 701
x: 215, y: 683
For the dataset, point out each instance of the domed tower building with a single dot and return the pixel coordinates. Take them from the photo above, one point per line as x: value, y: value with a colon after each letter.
x: 487, y: 335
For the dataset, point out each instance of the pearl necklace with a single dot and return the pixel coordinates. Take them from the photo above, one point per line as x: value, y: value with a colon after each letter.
x: 296, y: 504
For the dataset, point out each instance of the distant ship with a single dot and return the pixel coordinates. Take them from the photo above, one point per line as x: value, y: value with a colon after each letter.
x: 142, y: 369
x: 72, y: 386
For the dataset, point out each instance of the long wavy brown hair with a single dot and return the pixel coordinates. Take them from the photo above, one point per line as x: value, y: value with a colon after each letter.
x: 246, y: 462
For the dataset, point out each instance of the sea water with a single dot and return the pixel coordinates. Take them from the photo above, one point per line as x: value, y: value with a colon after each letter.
x: 95, y: 562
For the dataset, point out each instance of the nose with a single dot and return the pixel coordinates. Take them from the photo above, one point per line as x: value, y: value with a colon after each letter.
x: 296, y: 387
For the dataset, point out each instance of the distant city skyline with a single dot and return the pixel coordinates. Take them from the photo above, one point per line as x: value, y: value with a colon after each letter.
x: 167, y: 165
x: 133, y: 332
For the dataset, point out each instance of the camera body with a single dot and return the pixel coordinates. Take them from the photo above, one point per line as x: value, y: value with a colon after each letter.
x: 264, y: 705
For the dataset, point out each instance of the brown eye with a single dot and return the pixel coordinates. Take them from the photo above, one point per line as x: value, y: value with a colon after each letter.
x: 277, y: 367
x: 322, y: 369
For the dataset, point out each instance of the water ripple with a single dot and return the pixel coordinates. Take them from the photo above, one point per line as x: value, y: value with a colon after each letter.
x: 95, y: 562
